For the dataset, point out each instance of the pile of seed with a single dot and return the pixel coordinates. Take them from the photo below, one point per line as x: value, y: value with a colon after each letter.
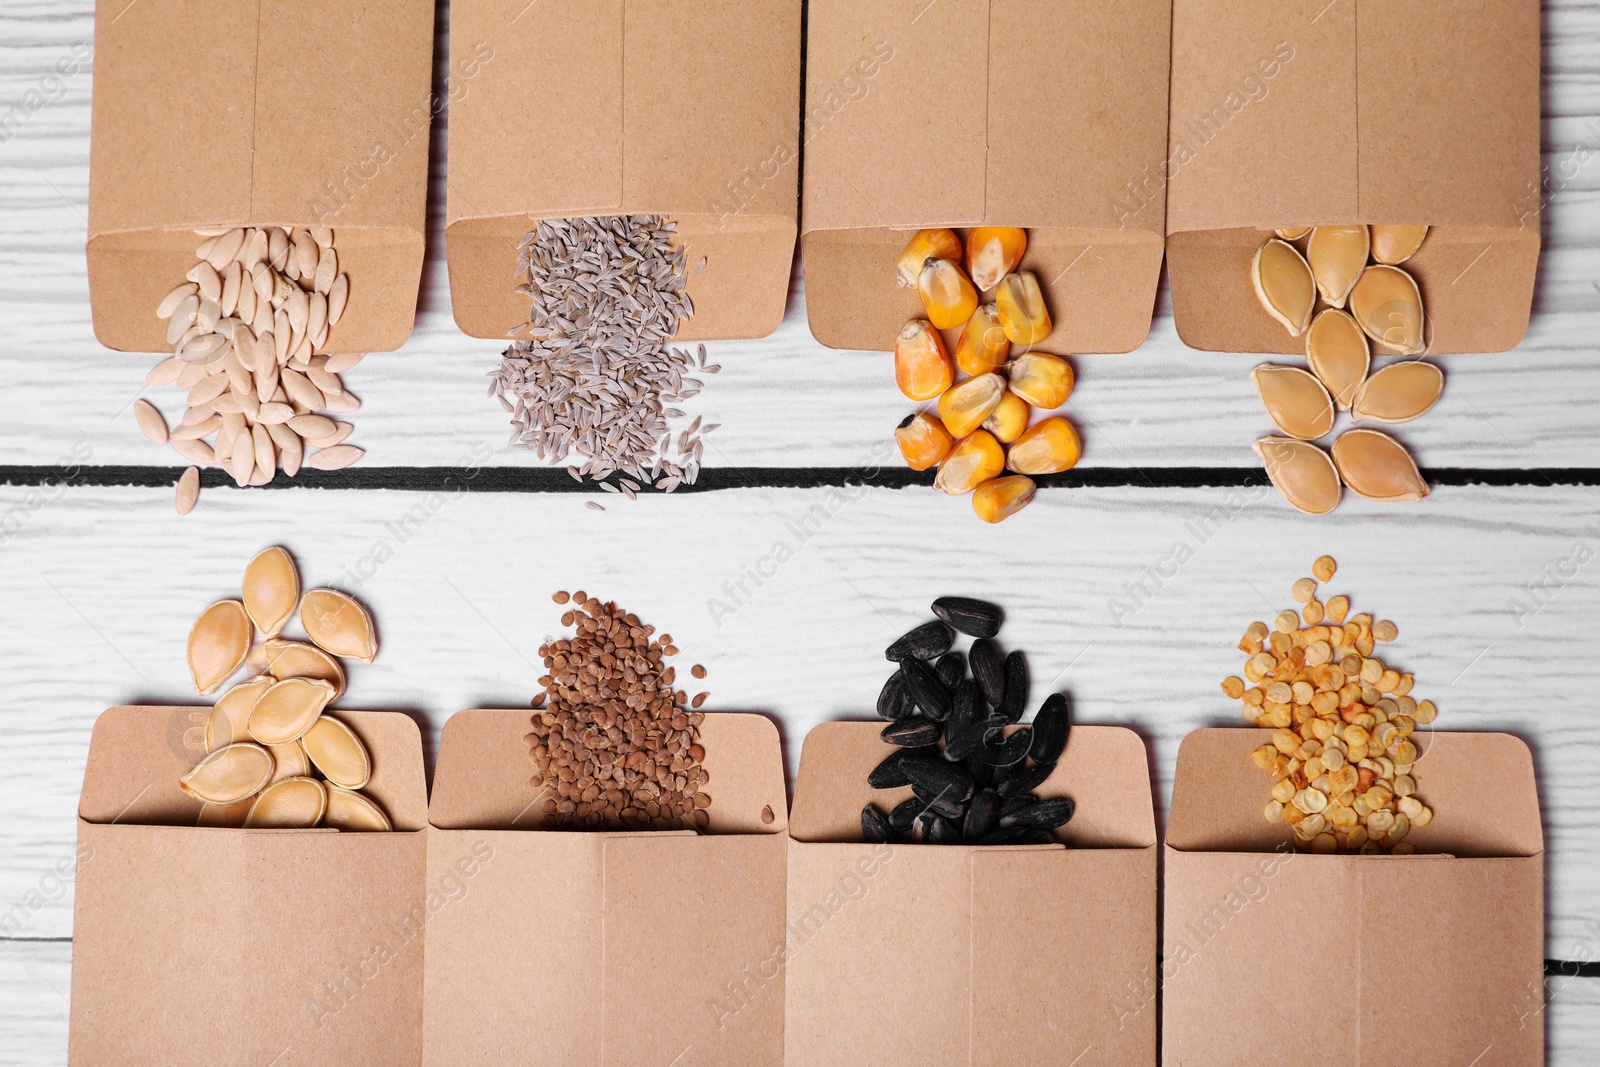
x: 592, y: 374
x: 249, y: 329
x: 972, y: 775
x: 1341, y: 754
x: 613, y: 744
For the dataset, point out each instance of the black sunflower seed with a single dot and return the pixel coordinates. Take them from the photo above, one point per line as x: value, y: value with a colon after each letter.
x: 889, y: 774
x: 938, y: 776
x: 1010, y: 805
x: 913, y: 733
x: 905, y: 813
x: 951, y: 668
x: 926, y: 690
x: 874, y: 826
x: 957, y: 728
x: 942, y: 803
x: 982, y: 773
x: 983, y: 815
x: 1017, y: 835
x: 894, y: 702
x: 989, y: 670
x: 922, y: 827
x: 975, y: 617
x: 1045, y: 815
x: 1017, y: 780
x: 1010, y: 752
x: 928, y: 641
x: 1016, y: 694
x: 944, y: 832
x: 1050, y: 726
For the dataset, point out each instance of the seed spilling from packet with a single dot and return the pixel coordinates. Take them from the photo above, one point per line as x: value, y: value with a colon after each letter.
x: 1362, y: 304
x: 980, y: 429
x: 614, y: 745
x: 274, y: 758
x: 1343, y: 746
x: 250, y: 328
x: 971, y: 769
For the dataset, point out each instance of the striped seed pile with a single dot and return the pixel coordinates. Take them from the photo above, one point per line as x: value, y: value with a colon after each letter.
x: 591, y: 373
x: 613, y: 744
x: 249, y: 328
x: 1341, y: 754
x: 972, y: 772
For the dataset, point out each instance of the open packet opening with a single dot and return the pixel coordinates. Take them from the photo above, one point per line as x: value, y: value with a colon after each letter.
x: 1428, y: 957
x: 1018, y: 113
x: 640, y: 107
x: 1304, y: 114
x: 218, y: 945
x: 972, y: 954
x: 565, y: 946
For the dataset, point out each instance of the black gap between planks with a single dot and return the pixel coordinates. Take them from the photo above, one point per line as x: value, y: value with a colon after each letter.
x: 713, y: 479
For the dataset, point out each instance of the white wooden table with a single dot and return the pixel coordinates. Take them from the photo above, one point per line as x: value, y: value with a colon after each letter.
x: 99, y: 582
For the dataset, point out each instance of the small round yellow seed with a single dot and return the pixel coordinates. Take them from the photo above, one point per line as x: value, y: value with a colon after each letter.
x: 1304, y: 590
x: 1324, y: 568
x: 1385, y: 630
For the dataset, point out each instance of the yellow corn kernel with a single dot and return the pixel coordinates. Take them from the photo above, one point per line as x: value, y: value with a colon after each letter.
x: 1048, y: 448
x: 964, y: 407
x: 1022, y: 312
x: 923, y: 246
x: 1043, y: 380
x: 921, y: 365
x: 1009, y: 418
x: 993, y: 252
x: 983, y: 346
x: 972, y: 462
x: 923, y: 441
x: 1000, y: 498
x: 948, y: 297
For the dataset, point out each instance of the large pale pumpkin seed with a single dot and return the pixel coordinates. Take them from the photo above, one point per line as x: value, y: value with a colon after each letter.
x: 1378, y: 467
x: 218, y: 643
x: 351, y: 811
x: 1295, y: 400
x: 1393, y: 245
x: 1302, y: 472
x: 291, y: 761
x: 1337, y: 353
x: 287, y: 709
x: 1387, y: 304
x: 296, y: 659
x: 229, y: 774
x: 271, y: 591
x: 1284, y: 285
x: 228, y: 816
x: 338, y: 624
x: 292, y: 804
x: 230, y: 715
x: 338, y: 753
x: 1398, y: 393
x: 1337, y: 255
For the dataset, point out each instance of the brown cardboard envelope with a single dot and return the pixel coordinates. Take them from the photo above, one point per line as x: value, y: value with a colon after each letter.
x: 1452, y: 938
x: 684, y: 108
x: 1024, y: 113
x: 959, y: 954
x: 569, y: 948
x: 237, y: 113
x: 1305, y: 112
x: 243, y: 947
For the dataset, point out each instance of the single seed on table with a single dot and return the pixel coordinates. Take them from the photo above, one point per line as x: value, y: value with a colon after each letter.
x: 1000, y: 498
x: 271, y: 590
x: 218, y: 643
x: 1378, y: 467
x: 151, y: 424
x: 1303, y: 473
x: 188, y: 493
x: 1324, y: 568
x: 1337, y: 255
x: 1284, y: 285
x: 1295, y: 400
x: 1385, y: 630
x: 338, y: 624
x: 1398, y: 393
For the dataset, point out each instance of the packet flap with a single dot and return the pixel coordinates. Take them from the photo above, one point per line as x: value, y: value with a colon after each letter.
x: 137, y: 755
x: 481, y: 778
x: 1480, y: 786
x: 1104, y: 769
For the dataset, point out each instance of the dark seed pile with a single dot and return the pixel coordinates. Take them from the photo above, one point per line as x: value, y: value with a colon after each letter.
x: 615, y: 747
x: 972, y: 779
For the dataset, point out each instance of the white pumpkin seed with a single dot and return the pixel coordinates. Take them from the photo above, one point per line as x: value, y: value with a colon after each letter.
x: 226, y: 248
x: 229, y: 774
x: 334, y: 457
x: 242, y: 458
x: 188, y: 493
x: 341, y: 403
x: 151, y: 424
x: 338, y: 364
x: 287, y: 709
x: 271, y: 590
x: 338, y: 753
x: 341, y: 430
x: 229, y: 300
x: 195, y: 451
x: 277, y: 248
x: 352, y: 811
x: 166, y: 372
x: 196, y: 430
x: 290, y: 448
x: 182, y: 316
x: 299, y: 387
x: 338, y: 296
x: 316, y: 314
x: 337, y: 623
x: 218, y: 644
x: 292, y: 804
x: 327, y: 270
x: 322, y: 235
x: 312, y: 427
x: 170, y: 302
x: 274, y: 414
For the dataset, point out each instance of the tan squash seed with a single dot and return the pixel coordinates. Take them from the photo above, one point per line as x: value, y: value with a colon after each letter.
x: 292, y: 804
x: 218, y: 643
x: 352, y: 811
x: 1302, y: 472
x: 1293, y: 233
x: 1387, y: 305
x: 339, y: 624
x: 271, y: 591
x: 290, y: 761
x: 1284, y: 285
x: 1337, y: 353
x: 1398, y: 393
x: 229, y: 774
x: 1295, y: 400
x: 296, y: 659
x: 1337, y: 255
x: 338, y: 753
x: 228, y: 816
x: 1378, y: 467
x: 1393, y: 245
x: 230, y: 715
x: 287, y: 709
